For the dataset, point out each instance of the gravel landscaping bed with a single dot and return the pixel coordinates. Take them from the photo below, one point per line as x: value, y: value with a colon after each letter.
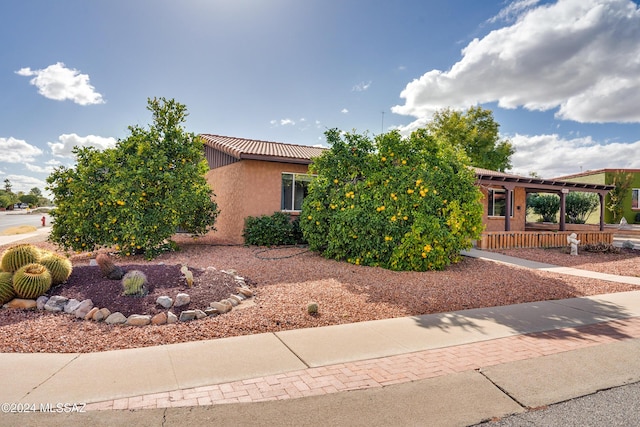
x: 285, y: 280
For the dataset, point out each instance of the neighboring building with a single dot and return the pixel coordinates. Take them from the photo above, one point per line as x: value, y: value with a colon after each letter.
x: 253, y: 178
x: 631, y: 206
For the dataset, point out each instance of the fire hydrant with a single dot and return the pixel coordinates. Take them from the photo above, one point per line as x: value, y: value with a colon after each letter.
x: 44, y: 221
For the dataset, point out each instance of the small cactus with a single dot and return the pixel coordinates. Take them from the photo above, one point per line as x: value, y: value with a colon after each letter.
x: 18, y: 256
x: 31, y: 281
x: 312, y: 308
x: 135, y: 283
x: 108, y: 268
x: 6, y: 288
x: 59, y: 267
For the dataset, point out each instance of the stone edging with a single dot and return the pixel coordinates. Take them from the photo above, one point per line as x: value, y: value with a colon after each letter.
x: 87, y: 311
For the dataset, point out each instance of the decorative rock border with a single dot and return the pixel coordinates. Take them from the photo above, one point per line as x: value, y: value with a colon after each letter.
x: 87, y: 311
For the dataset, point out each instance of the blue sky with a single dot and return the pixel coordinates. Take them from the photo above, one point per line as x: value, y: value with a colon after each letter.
x: 561, y: 77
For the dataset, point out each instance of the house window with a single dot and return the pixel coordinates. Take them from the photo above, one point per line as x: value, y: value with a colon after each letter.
x: 634, y: 198
x: 498, y: 202
x: 294, y: 189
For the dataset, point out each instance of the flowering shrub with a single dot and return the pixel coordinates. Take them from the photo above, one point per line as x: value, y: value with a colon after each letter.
x: 134, y: 197
x: 401, y: 204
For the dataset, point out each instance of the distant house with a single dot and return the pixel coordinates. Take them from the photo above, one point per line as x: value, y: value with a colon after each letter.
x: 631, y: 206
x: 253, y: 178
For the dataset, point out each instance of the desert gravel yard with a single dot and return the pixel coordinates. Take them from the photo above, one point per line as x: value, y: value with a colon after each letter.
x: 285, y: 280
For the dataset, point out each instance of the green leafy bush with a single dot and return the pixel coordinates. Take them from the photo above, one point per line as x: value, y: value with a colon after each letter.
x: 579, y: 206
x: 273, y: 230
x: 545, y: 205
x: 401, y: 204
x: 134, y: 197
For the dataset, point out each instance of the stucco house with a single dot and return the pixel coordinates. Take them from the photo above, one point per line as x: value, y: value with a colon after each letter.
x: 631, y: 203
x: 253, y: 178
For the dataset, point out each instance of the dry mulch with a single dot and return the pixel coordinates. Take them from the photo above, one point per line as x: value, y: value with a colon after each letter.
x: 285, y: 280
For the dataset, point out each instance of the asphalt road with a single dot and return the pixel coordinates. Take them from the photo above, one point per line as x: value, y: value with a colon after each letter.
x: 21, y: 217
x: 613, y: 407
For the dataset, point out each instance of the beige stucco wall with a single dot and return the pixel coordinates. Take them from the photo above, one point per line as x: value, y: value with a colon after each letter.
x: 519, y: 212
x: 245, y: 188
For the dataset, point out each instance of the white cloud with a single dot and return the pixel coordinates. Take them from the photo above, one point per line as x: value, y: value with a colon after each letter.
x: 68, y: 141
x: 39, y: 169
x: 26, y: 183
x: 17, y: 151
x: 552, y: 156
x: 344, y: 111
x: 61, y: 83
x: 361, y: 87
x: 513, y: 10
x: 577, y: 56
x: 285, y: 122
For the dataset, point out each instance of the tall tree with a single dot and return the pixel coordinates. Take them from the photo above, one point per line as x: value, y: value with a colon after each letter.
x: 622, y: 183
x: 35, y: 191
x: 476, y: 132
x: 136, y: 195
x: 7, y: 185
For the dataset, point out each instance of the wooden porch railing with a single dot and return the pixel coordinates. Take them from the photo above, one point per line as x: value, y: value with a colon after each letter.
x: 539, y: 239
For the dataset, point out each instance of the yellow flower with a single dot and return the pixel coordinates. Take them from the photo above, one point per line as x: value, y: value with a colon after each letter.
x: 388, y: 238
x: 309, y: 217
x: 384, y: 159
x: 410, y: 191
x: 393, y: 218
x: 100, y: 203
x: 405, y: 217
x: 404, y: 162
x: 335, y: 181
x: 317, y: 222
x: 424, y: 255
x: 418, y: 182
x: 380, y: 208
x: 427, y: 248
x: 352, y: 206
x: 120, y: 202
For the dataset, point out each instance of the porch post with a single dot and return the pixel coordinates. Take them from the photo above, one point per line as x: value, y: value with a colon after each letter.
x: 563, y: 208
x: 507, y: 208
x: 601, y: 196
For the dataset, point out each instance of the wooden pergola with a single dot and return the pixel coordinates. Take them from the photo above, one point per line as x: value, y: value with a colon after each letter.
x: 536, y: 185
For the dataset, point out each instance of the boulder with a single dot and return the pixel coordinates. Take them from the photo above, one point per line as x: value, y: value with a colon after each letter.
x: 41, y: 301
x: 221, y: 306
x: 101, y: 314
x: 182, y: 299
x: 187, y: 315
x: 138, y: 320
x: 90, y: 313
x: 245, y: 291
x: 164, y: 301
x: 171, y: 318
x: 159, y: 319
x: 115, y: 318
x: 210, y: 311
x: 71, y: 306
x: 83, y: 309
x: 56, y: 303
x: 24, y: 304
x: 200, y: 314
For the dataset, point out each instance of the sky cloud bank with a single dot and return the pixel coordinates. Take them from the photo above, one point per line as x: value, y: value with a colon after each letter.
x: 577, y: 56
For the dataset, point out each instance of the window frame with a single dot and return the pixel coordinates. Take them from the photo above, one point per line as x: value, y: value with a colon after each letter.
x: 491, y: 202
x: 292, y: 201
x: 635, y: 191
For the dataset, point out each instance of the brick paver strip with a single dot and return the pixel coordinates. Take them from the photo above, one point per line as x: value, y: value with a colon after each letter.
x: 386, y: 370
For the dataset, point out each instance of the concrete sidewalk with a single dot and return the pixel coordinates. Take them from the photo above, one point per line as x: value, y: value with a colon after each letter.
x: 457, y: 369
x: 464, y: 366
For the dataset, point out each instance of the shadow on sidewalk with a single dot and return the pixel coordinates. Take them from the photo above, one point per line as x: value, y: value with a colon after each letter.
x: 555, y: 319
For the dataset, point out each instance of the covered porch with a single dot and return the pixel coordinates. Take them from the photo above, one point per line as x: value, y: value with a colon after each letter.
x: 509, y: 229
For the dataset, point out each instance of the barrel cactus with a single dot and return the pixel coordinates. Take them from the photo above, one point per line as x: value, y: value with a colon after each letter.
x: 59, y: 267
x: 31, y: 281
x: 18, y: 256
x: 134, y: 283
x: 6, y: 287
